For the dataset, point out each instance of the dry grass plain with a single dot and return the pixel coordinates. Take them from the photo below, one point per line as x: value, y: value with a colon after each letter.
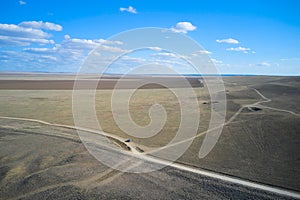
x: 262, y: 145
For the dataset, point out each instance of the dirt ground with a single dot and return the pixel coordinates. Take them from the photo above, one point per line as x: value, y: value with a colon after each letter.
x: 261, y: 145
x: 44, y: 162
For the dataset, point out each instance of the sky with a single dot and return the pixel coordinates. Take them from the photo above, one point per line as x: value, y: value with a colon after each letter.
x: 239, y: 37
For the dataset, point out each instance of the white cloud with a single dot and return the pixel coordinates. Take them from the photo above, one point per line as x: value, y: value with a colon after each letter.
x: 112, y: 49
x: 22, y: 2
x: 165, y: 54
x: 131, y: 61
x: 204, y: 52
x: 108, y: 42
x: 156, y: 63
x: 17, y: 35
x: 69, y: 54
x: 75, y: 43
x: 67, y: 37
x: 289, y: 59
x: 216, y: 62
x: 228, y: 41
x: 263, y: 64
x: 219, y: 63
x: 40, y: 50
x: 31, y: 61
x: 19, y: 31
x: 155, y: 48
x: 201, y: 52
x: 86, y: 44
x: 53, y: 58
x: 21, y: 41
x: 243, y: 49
x: 183, y: 27
x: 41, y: 25
x: 130, y: 9
x: 168, y: 59
x: 78, y: 45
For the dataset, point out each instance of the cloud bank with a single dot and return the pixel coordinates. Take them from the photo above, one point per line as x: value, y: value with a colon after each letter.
x: 41, y: 25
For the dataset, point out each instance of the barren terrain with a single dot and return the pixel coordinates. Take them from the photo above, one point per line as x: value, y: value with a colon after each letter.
x: 260, y: 141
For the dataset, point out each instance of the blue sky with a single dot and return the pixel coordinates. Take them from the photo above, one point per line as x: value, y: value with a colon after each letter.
x: 241, y: 37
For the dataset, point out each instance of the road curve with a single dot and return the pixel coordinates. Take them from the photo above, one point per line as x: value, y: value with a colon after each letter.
x: 147, y: 158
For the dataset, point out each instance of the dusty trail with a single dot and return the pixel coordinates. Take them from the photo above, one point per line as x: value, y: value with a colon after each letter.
x: 145, y: 157
x: 257, y: 104
x: 266, y: 100
x: 132, y: 147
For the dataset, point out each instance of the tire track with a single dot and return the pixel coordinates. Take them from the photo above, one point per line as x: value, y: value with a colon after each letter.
x: 148, y: 158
